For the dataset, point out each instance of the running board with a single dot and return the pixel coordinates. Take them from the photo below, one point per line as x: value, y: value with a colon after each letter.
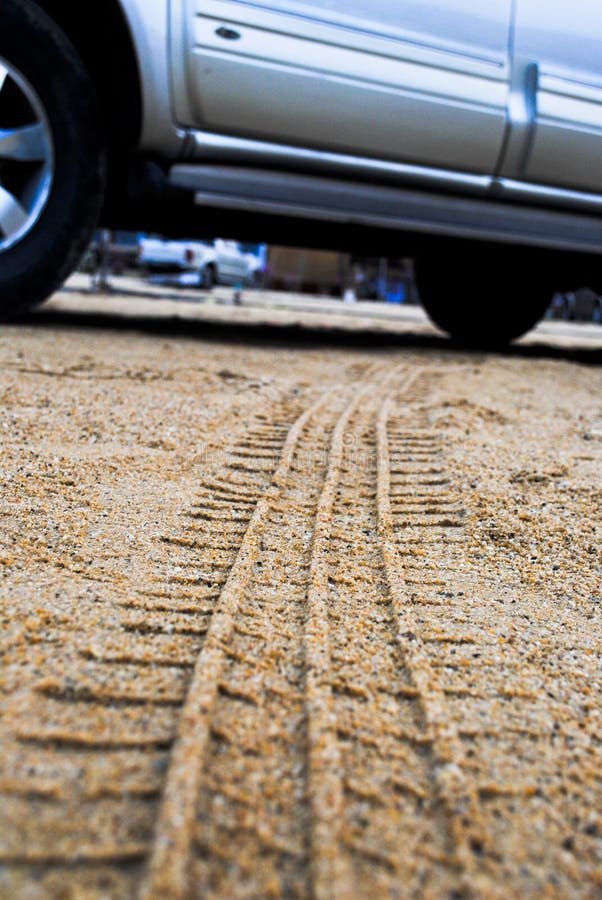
x: 312, y: 197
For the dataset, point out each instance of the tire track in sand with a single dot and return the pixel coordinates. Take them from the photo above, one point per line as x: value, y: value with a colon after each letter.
x: 175, y: 831
x: 85, y: 756
x: 305, y: 764
x: 273, y: 678
x: 459, y: 795
x: 315, y: 754
x: 329, y: 866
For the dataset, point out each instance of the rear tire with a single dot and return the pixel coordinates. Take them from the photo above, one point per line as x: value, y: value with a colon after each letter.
x: 484, y: 297
x: 208, y: 278
x: 256, y: 281
x: 57, y: 191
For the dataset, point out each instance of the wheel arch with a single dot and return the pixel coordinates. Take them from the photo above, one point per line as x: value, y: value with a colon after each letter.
x: 115, y: 73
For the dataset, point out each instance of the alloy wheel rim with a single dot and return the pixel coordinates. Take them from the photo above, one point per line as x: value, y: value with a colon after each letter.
x: 26, y: 157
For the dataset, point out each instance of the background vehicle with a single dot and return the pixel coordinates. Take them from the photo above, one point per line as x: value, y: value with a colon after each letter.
x: 120, y: 247
x: 432, y: 127
x: 217, y: 262
x: 581, y: 305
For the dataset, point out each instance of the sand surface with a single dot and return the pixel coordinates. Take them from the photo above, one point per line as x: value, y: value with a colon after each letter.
x: 305, y: 607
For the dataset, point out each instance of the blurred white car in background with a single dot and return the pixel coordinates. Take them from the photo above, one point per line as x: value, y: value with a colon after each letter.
x: 215, y: 262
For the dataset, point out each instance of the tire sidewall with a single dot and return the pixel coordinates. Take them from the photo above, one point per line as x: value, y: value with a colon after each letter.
x: 31, y: 43
x: 209, y: 278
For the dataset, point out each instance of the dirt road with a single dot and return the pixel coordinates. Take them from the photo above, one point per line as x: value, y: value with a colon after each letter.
x: 295, y: 616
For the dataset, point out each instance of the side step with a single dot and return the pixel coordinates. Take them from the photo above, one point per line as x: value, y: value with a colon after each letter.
x: 313, y: 197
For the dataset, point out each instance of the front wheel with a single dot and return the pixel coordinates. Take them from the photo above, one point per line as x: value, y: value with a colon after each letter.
x: 52, y: 157
x: 484, y: 297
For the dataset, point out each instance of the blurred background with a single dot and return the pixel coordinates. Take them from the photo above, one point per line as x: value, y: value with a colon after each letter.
x: 206, y: 264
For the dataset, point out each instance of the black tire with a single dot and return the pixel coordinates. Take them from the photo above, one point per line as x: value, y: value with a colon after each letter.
x: 208, y: 277
x: 256, y: 281
x: 484, y: 297
x: 33, y: 267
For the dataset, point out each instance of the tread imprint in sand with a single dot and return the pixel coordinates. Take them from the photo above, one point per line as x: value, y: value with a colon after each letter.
x: 83, y: 770
x: 304, y: 701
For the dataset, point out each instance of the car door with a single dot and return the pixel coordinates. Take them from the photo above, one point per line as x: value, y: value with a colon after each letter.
x: 407, y: 80
x: 227, y: 260
x: 562, y: 42
x: 238, y: 261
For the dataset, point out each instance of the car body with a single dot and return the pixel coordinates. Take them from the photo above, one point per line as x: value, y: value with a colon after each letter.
x: 433, y: 123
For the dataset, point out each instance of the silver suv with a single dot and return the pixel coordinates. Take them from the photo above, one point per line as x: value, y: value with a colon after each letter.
x: 463, y: 133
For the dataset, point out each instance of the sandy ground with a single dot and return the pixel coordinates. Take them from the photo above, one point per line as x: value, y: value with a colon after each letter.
x: 297, y: 601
